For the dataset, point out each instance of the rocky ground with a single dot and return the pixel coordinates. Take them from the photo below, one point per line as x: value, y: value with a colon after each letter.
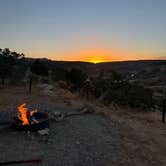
x: 106, y: 137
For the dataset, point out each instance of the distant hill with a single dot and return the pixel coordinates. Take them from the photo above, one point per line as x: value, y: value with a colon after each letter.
x: 150, y: 73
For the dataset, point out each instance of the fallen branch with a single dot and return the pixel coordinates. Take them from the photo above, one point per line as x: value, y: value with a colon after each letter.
x: 58, y: 116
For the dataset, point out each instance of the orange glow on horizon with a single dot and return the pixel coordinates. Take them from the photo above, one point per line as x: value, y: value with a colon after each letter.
x: 93, y: 56
x: 97, y: 55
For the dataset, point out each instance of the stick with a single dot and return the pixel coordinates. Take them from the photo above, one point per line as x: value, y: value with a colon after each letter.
x: 163, y: 110
x: 21, y: 161
x: 30, y: 85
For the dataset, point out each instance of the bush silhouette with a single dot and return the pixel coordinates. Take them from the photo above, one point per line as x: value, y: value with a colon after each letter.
x: 76, y: 77
x: 123, y: 92
x: 38, y: 67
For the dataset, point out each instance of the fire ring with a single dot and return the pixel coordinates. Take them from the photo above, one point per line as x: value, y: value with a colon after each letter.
x: 41, y: 122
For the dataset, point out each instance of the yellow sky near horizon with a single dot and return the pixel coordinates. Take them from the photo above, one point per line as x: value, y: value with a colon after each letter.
x: 98, y: 55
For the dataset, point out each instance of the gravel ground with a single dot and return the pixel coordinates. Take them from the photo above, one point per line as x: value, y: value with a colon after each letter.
x: 80, y: 140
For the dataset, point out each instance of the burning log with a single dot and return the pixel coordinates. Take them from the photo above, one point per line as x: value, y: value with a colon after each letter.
x: 30, y: 120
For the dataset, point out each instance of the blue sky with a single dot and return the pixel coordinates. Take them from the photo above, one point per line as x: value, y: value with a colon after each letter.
x: 84, y: 29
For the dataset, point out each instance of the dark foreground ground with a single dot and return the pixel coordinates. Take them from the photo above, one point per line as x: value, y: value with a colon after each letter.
x: 87, y: 140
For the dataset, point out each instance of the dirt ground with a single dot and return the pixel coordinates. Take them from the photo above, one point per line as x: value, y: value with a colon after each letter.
x: 107, y: 137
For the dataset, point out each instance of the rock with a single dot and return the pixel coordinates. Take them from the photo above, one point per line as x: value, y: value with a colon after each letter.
x: 58, y: 116
x: 47, y: 89
x: 78, y: 143
x: 44, y: 131
x: 87, y: 109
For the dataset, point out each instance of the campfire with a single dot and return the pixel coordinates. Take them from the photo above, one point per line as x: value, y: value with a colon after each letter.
x: 30, y: 120
x: 26, y: 116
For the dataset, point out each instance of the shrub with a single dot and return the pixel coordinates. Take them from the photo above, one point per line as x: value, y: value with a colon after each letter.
x: 123, y: 92
x: 76, y: 77
x: 59, y: 74
x: 38, y: 67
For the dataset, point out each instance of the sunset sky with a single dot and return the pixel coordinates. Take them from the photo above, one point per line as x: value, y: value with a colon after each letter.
x: 85, y: 30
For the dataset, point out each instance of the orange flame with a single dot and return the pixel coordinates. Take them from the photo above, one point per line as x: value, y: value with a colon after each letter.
x: 32, y: 112
x: 23, y: 116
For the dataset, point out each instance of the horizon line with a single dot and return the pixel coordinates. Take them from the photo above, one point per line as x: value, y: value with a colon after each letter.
x: 82, y: 61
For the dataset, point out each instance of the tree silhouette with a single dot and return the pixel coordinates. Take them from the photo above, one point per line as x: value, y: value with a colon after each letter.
x: 8, y: 60
x: 39, y: 68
